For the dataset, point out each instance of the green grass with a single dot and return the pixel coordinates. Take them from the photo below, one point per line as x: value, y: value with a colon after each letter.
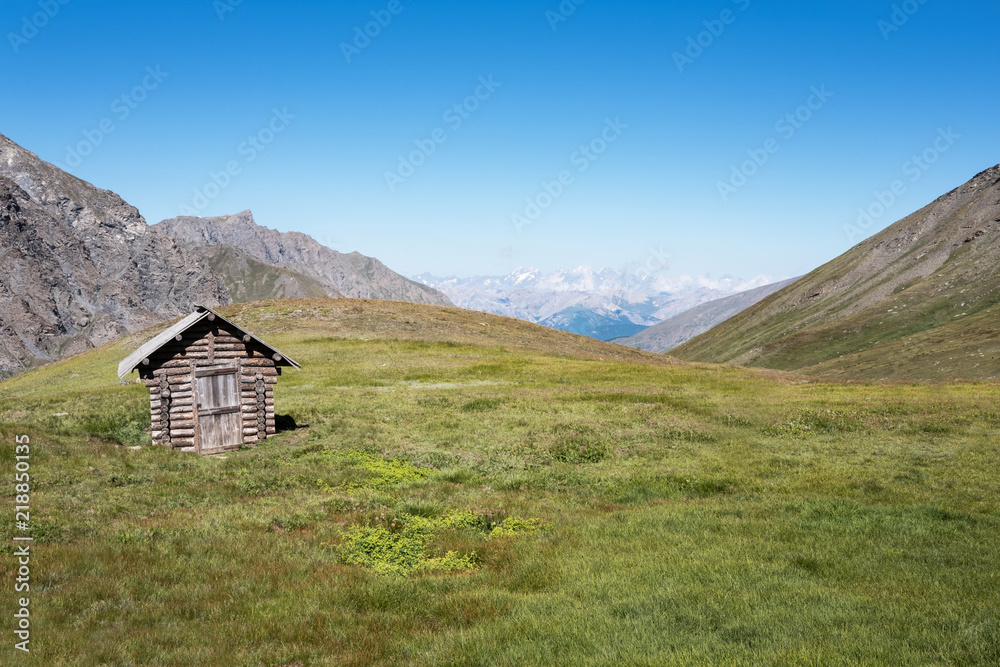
x: 248, y: 279
x: 461, y: 494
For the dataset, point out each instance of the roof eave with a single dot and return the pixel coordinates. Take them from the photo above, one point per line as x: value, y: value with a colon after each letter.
x: 150, y: 347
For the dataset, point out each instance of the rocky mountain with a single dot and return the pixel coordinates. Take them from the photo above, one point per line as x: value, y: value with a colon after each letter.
x: 80, y: 267
x: 918, y: 300
x: 353, y: 275
x: 600, y: 303
x: 682, y: 328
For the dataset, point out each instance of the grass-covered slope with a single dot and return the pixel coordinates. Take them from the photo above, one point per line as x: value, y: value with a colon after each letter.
x: 353, y: 275
x: 248, y: 279
x: 681, y: 328
x: 453, y: 488
x: 916, y: 301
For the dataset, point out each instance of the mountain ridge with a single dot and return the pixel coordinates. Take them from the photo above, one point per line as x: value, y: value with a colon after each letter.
x: 683, y: 327
x: 82, y: 267
x: 352, y: 274
x: 931, y: 271
x: 249, y: 279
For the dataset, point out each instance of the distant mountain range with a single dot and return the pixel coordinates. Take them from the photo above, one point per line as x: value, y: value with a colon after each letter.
x: 600, y: 303
x: 81, y: 267
x: 682, y: 328
x: 918, y: 301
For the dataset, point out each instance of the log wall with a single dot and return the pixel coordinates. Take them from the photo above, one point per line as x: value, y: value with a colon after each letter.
x: 169, y: 377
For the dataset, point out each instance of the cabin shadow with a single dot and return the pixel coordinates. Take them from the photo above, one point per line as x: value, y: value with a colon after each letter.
x: 287, y: 424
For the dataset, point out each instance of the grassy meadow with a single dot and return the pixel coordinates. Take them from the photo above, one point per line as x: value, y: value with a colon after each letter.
x: 454, y: 488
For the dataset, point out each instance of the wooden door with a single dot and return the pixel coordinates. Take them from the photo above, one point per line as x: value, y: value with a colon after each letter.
x: 217, y: 400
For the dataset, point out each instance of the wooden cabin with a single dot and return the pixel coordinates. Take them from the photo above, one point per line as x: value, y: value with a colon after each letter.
x: 211, y: 384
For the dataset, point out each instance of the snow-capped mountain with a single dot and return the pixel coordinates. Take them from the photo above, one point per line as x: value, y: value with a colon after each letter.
x: 601, y: 303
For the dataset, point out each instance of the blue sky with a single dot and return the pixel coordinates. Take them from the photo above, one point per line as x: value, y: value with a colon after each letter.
x: 641, y: 109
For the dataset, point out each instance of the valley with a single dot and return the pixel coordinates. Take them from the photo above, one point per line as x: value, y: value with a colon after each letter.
x: 605, y: 303
x: 451, y: 487
x: 499, y: 334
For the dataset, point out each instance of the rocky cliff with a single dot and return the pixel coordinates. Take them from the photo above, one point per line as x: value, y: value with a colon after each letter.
x: 79, y: 266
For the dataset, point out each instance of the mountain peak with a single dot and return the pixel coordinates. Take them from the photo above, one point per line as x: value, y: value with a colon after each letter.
x: 88, y: 268
x: 353, y: 275
x: 601, y: 304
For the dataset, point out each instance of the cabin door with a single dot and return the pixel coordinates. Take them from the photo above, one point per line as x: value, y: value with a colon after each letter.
x: 217, y: 400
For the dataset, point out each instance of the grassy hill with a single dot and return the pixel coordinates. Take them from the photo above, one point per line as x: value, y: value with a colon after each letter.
x: 917, y: 301
x: 454, y: 488
x: 681, y: 328
x: 248, y: 279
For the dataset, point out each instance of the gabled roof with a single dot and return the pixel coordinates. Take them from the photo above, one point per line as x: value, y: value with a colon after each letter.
x: 133, y: 360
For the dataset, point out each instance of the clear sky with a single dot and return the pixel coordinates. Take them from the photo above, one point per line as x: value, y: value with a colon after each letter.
x: 617, y: 120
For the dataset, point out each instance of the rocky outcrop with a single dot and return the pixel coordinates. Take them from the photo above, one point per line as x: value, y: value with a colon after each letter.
x: 79, y: 266
x: 353, y: 275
